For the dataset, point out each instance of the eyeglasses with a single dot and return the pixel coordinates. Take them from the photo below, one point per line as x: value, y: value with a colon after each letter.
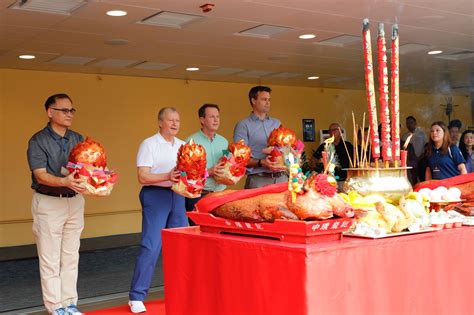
x: 65, y: 111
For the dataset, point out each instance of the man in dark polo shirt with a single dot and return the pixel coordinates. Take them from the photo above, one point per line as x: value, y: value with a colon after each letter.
x: 342, y: 157
x: 57, y: 207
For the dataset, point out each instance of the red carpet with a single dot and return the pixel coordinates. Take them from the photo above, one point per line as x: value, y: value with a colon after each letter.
x: 156, y: 307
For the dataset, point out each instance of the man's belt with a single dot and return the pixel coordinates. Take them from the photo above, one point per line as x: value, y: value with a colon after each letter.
x: 60, y: 195
x: 272, y: 175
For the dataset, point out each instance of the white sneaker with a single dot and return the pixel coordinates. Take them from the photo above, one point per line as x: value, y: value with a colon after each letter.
x: 137, y: 306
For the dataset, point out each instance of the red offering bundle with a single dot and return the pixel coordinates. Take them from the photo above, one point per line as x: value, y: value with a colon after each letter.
x: 89, y: 161
x: 235, y: 162
x: 192, y: 165
x: 281, y: 142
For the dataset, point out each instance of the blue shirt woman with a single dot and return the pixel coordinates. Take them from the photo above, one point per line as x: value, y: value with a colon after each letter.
x: 443, y: 159
x: 444, y: 166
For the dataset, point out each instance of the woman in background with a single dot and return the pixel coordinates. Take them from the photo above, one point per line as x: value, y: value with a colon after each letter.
x: 466, y: 145
x: 444, y: 160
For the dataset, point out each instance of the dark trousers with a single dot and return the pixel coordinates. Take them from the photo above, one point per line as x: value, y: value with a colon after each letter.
x: 189, y: 205
x: 161, y: 208
x: 191, y: 202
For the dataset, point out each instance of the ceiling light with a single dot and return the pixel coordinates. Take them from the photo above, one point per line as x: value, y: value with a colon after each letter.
x: 116, y: 13
x: 313, y: 78
x: 192, y: 69
x: 435, y: 52
x: 307, y: 36
x: 27, y: 57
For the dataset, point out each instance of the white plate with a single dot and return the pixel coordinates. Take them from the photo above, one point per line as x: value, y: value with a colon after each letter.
x: 470, y: 220
x: 425, y: 230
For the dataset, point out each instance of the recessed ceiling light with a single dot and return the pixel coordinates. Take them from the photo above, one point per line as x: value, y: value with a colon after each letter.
x: 307, y: 36
x: 116, y: 13
x: 27, y: 57
x: 192, y: 69
x: 435, y: 52
x: 313, y: 78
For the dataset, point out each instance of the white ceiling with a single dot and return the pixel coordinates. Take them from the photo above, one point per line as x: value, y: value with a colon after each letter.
x: 212, y: 42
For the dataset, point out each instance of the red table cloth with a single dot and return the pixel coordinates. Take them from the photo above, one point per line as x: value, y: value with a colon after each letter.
x: 430, y: 273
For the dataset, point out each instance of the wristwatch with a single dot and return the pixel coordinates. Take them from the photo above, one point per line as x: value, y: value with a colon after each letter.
x: 259, y: 163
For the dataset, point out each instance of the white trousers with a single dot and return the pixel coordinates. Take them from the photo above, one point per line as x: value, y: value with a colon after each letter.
x: 57, y: 226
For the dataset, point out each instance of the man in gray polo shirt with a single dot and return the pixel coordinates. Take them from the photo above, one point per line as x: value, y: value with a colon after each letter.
x: 254, y: 130
x: 57, y: 206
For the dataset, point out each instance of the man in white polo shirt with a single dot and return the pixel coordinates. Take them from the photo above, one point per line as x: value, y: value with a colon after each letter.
x: 161, y: 207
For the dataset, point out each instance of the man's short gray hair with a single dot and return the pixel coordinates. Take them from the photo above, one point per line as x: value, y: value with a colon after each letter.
x: 161, y: 113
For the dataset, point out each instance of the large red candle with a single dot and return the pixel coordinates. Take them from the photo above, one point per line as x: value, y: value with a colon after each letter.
x: 403, y: 156
x: 383, y: 95
x: 395, y: 105
x: 370, y: 90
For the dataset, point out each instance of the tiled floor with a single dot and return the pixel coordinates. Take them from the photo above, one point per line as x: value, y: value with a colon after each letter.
x: 101, y: 273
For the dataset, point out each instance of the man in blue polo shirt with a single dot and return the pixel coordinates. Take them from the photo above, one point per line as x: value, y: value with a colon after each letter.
x: 254, y: 130
x: 214, y: 144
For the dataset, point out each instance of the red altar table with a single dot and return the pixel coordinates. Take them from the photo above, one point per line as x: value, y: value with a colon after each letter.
x: 206, y: 273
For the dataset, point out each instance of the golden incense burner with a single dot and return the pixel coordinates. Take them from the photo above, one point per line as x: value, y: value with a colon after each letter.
x: 391, y: 182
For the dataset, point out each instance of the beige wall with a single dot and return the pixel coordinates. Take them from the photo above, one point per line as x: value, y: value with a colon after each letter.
x: 120, y: 112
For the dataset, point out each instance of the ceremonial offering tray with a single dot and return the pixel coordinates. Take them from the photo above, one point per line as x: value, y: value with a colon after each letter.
x: 294, y: 231
x: 425, y: 230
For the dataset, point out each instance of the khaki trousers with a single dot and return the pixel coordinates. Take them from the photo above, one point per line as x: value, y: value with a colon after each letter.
x: 57, y: 226
x: 256, y: 181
